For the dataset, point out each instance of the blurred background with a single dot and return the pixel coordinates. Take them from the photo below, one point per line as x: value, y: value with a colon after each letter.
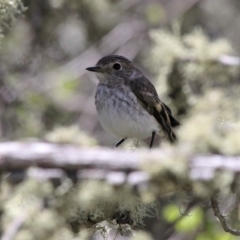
x: 44, y: 85
x: 188, y: 48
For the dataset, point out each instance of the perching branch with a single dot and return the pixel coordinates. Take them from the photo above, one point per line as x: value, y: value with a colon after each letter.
x: 22, y: 155
x: 53, y: 161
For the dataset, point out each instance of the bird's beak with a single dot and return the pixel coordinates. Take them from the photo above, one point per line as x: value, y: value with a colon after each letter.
x: 94, y: 69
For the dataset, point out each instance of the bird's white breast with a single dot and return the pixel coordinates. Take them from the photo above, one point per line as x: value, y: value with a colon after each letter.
x: 121, y: 114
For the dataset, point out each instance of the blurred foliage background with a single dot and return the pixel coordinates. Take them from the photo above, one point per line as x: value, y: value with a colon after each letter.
x: 188, y: 48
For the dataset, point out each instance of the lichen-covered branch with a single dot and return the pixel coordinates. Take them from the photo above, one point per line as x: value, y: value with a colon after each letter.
x: 160, y: 171
x: 100, y: 163
x: 14, y: 228
x: 221, y: 218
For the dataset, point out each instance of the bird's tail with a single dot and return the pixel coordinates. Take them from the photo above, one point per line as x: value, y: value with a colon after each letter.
x: 172, y: 137
x: 167, y: 121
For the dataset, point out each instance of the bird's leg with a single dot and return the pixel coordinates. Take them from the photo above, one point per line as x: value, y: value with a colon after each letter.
x: 120, y: 142
x: 152, y: 139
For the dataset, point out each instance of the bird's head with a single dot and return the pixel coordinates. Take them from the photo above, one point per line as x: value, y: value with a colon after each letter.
x: 114, y: 68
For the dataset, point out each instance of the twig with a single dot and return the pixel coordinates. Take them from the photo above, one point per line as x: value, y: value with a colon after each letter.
x: 13, y: 228
x: 170, y: 229
x: 221, y: 218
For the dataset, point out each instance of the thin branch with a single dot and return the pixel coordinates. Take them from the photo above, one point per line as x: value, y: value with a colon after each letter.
x: 221, y: 218
x: 171, y: 227
x: 13, y: 228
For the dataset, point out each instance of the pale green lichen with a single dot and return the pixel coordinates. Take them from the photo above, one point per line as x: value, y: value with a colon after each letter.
x: 93, y: 200
x: 199, y: 62
x: 99, y: 201
x: 70, y: 134
x: 24, y: 234
x: 168, y: 171
x: 24, y: 199
x: 213, y: 125
x: 9, y: 10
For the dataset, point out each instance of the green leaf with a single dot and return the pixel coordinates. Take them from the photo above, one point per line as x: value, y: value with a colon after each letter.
x: 187, y: 223
x: 190, y: 222
x: 171, y: 213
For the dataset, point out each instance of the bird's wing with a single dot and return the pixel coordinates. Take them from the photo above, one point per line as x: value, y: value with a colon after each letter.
x: 148, y: 98
x: 174, y: 122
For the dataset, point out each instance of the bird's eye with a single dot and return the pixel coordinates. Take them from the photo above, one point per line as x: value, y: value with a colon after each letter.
x: 117, y: 66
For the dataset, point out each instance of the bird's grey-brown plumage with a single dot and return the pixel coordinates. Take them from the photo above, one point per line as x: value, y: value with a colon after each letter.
x: 148, y: 98
x: 127, y: 102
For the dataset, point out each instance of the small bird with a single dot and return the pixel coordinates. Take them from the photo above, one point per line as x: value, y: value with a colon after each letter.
x: 127, y: 103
